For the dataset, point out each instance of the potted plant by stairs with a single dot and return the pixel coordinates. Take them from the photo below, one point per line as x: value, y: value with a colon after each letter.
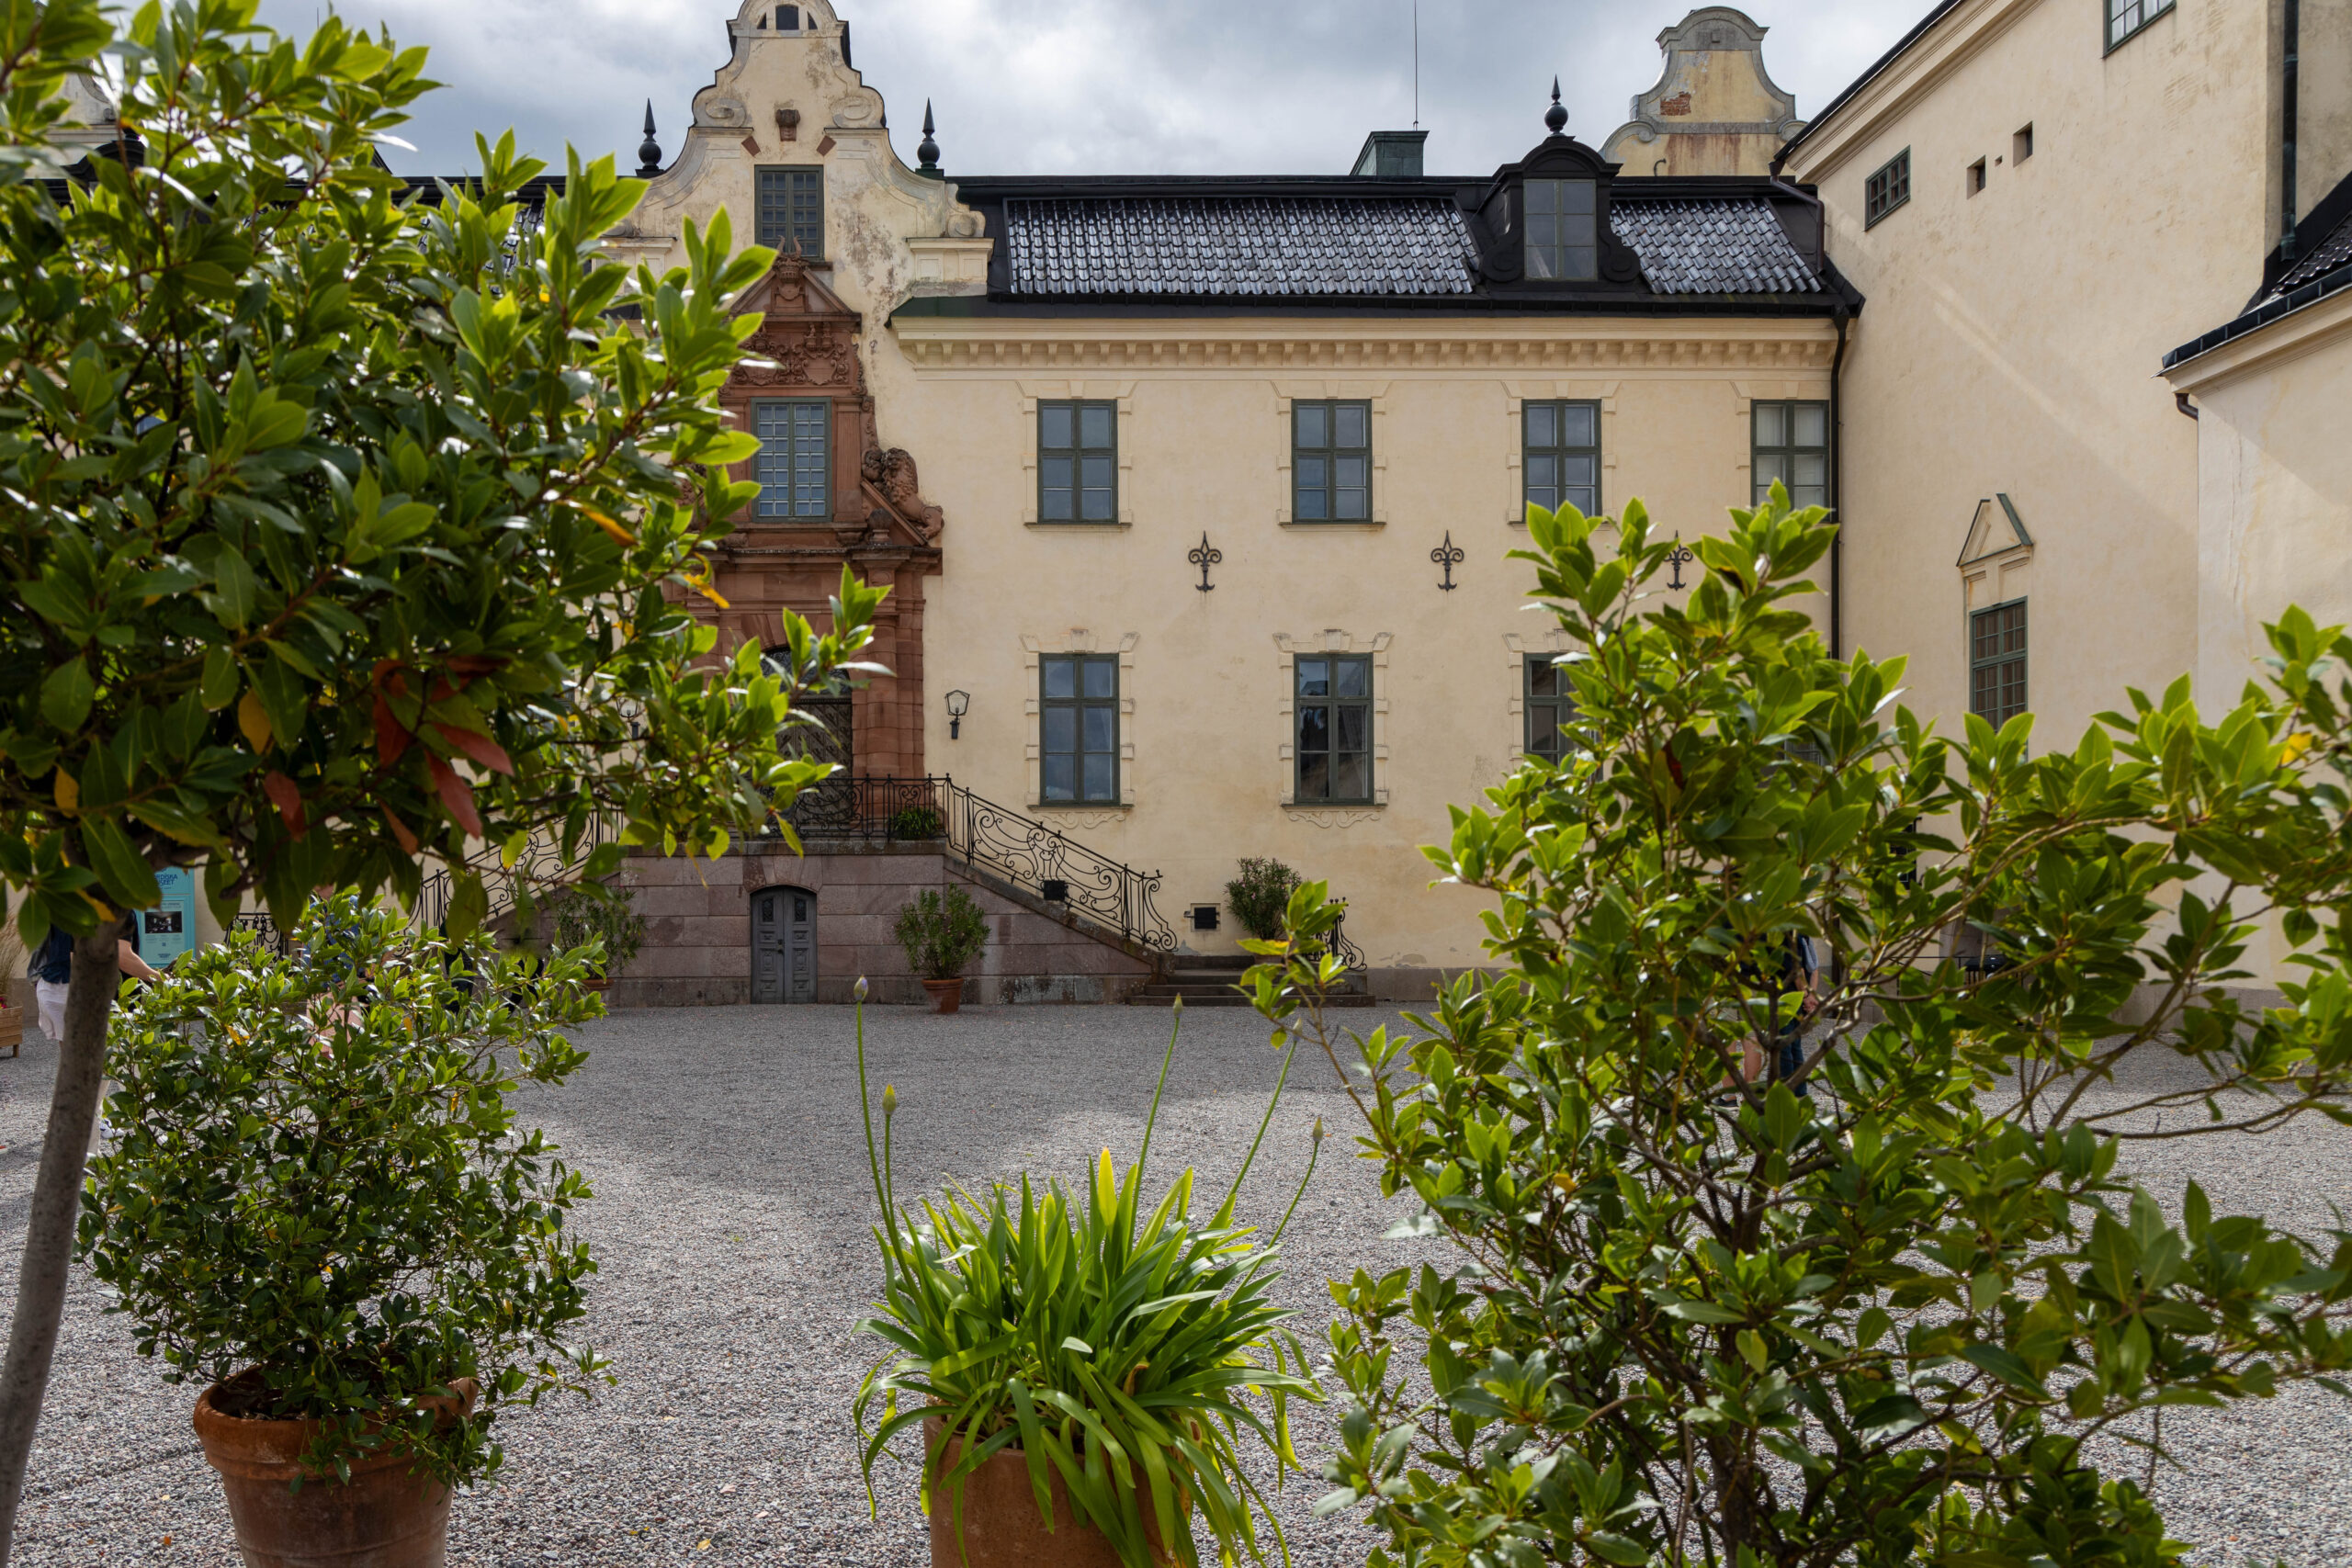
x: 942, y: 933
x: 316, y: 1201
x: 588, y: 915
x: 12, y: 965
x: 1082, y: 1373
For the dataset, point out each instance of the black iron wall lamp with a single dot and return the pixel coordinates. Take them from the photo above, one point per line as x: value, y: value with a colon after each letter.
x: 958, y: 705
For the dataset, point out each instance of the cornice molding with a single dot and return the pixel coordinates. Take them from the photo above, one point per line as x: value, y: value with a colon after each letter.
x: 2267, y: 347
x: 993, y: 346
x: 1957, y: 39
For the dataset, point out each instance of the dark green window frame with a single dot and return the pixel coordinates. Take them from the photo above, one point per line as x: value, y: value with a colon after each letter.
x: 1560, y: 455
x: 1563, y: 230
x: 2126, y: 20
x: 791, y: 206
x: 1330, y: 460
x: 1077, y: 729
x: 1077, y: 462
x: 1333, y: 699
x: 795, y: 446
x: 1888, y: 187
x: 1551, y: 706
x: 1997, y: 662
x: 1791, y: 444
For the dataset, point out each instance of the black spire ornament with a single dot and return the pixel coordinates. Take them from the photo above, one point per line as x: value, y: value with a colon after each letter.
x: 649, y: 152
x: 1556, y: 119
x: 928, y: 151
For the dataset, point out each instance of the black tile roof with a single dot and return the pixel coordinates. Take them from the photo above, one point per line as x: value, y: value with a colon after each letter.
x: 2321, y: 270
x: 1260, y: 246
x: 2333, y: 251
x: 1266, y: 247
x: 1712, y: 247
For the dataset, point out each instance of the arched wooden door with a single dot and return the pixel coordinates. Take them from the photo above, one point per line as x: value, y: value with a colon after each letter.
x: 784, y: 945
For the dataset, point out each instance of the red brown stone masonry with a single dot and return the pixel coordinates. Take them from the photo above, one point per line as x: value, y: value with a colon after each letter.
x: 698, y: 943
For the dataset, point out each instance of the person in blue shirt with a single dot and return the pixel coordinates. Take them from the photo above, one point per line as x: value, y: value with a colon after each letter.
x: 52, y: 971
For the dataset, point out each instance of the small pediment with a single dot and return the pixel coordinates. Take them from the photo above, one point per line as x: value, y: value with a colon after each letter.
x: 793, y: 291
x: 1994, y: 530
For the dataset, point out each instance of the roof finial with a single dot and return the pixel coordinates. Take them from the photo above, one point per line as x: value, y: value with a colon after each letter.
x: 649, y: 152
x: 928, y: 151
x: 1556, y: 119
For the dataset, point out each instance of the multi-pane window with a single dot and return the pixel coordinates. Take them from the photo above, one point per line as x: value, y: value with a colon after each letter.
x: 1077, y: 462
x: 2125, y: 18
x: 1792, y: 447
x: 1078, y: 723
x: 1563, y: 230
x: 1334, y: 707
x: 1331, y: 462
x: 1997, y: 662
x: 792, y: 209
x: 1888, y: 189
x: 1551, y: 703
x: 1562, y: 460
x: 793, y: 482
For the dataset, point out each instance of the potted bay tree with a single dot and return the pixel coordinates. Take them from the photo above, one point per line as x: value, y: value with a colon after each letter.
x: 942, y: 933
x: 317, y: 1206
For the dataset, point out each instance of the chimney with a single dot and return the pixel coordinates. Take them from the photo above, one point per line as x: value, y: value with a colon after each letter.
x: 1391, y: 155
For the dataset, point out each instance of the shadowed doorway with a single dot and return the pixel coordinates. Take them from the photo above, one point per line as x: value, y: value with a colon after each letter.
x: 784, y: 945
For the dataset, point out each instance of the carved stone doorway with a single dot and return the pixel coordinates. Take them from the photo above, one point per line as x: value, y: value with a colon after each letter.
x: 784, y: 945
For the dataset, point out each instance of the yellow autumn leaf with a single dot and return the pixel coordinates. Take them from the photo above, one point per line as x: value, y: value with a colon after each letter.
x: 607, y: 524
x: 69, y: 791
x: 254, y: 720
x: 2294, y: 745
x: 696, y: 576
x: 105, y: 911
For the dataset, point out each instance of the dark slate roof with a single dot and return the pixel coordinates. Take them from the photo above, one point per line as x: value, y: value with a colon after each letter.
x: 1266, y: 247
x: 1258, y: 246
x: 1712, y: 247
x: 2334, y: 250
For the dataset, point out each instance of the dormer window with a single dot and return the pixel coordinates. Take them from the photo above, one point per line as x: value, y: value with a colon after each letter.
x: 1563, y: 233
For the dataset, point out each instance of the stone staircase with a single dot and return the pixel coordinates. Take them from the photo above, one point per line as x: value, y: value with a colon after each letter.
x: 1211, y: 981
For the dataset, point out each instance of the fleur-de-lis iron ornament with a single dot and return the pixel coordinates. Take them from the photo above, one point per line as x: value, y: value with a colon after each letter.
x: 1679, y: 558
x: 1205, y: 556
x: 1448, y: 555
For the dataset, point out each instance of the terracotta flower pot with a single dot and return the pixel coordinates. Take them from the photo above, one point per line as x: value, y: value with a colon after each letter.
x: 946, y: 995
x: 386, y: 1515
x: 1001, y: 1526
x: 11, y: 1028
x: 598, y: 983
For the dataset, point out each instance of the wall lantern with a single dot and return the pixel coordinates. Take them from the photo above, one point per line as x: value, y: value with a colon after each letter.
x: 958, y: 705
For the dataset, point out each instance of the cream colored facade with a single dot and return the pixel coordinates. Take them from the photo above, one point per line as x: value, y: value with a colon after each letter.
x: 1206, y: 723
x: 2075, y: 211
x: 1714, y: 108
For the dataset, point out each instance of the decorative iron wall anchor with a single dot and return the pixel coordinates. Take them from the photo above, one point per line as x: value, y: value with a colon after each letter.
x: 1205, y: 557
x: 1679, y: 558
x: 1448, y: 555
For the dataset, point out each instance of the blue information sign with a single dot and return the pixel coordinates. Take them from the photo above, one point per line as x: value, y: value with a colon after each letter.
x: 169, y: 929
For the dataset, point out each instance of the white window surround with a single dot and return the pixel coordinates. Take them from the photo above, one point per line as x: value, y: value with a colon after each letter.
x: 1333, y: 641
x: 1120, y: 392
x: 1373, y: 392
x: 1522, y: 645
x: 1517, y: 395
x: 1077, y: 640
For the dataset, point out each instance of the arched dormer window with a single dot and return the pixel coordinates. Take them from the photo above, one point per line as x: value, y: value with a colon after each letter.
x: 1545, y: 218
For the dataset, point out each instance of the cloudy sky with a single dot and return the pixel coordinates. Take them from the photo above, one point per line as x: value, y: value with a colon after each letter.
x: 1103, y: 87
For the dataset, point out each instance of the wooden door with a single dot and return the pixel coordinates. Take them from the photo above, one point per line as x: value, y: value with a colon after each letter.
x: 784, y: 945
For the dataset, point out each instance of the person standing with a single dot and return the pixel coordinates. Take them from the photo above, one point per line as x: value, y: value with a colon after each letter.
x: 53, y: 972
x: 1799, y: 976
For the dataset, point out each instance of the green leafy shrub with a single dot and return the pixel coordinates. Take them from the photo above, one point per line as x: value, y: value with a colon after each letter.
x: 601, y: 918
x: 1023, y: 1320
x: 1261, y: 895
x: 316, y: 1175
x: 917, y: 822
x: 942, y: 933
x: 1693, y: 1319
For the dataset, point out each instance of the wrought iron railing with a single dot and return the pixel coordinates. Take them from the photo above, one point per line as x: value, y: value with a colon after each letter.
x: 1033, y: 856
x: 541, y: 865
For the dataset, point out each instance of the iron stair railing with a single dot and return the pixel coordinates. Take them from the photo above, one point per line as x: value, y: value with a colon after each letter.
x: 1034, y: 856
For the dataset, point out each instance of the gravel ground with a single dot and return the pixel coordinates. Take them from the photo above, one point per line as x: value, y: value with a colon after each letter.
x: 730, y: 1214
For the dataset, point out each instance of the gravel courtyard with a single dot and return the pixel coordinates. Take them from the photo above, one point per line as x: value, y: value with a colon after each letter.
x: 730, y: 1220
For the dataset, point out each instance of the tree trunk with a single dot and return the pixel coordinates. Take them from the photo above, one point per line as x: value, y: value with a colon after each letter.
x: 57, y: 1204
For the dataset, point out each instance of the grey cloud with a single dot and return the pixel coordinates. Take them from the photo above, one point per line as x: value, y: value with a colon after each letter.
x: 1103, y: 87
